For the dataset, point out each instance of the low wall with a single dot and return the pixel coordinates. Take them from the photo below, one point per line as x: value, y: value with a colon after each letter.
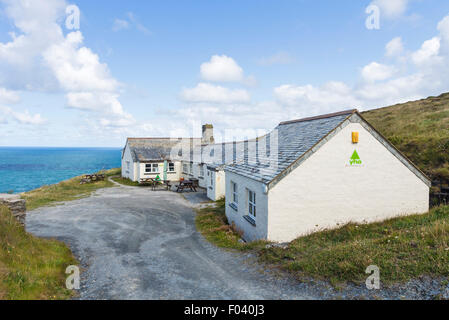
x: 16, y: 205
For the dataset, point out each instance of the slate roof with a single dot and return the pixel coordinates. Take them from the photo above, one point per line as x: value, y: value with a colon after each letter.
x: 289, y: 141
x: 157, y: 149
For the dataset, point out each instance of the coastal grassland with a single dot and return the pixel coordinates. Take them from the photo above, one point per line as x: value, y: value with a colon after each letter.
x: 31, y: 268
x: 125, y: 181
x: 420, y: 129
x: 213, y: 225
x: 66, y: 191
x: 403, y: 248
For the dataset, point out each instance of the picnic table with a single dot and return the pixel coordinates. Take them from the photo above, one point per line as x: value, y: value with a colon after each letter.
x: 154, y: 183
x: 192, y: 185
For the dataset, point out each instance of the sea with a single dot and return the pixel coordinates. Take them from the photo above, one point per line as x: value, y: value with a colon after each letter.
x: 25, y: 169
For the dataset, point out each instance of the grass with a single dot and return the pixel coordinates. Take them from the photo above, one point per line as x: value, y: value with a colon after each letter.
x: 126, y: 181
x: 213, y: 225
x: 420, y: 129
x: 65, y: 191
x: 31, y: 268
x: 403, y: 248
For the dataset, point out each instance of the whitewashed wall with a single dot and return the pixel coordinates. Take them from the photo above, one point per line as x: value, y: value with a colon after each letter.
x: 210, y: 189
x: 171, y: 176
x: 250, y: 232
x: 217, y: 189
x: 325, y: 191
x: 127, y: 158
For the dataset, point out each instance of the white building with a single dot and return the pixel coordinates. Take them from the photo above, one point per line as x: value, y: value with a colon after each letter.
x: 327, y: 171
x: 306, y: 175
x: 174, y: 158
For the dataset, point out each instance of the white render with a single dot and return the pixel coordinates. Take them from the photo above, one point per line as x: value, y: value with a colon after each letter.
x: 325, y: 192
x: 171, y: 176
x: 236, y: 217
x: 215, y: 181
x: 129, y: 167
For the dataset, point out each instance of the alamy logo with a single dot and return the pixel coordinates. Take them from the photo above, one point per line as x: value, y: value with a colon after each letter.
x: 355, y: 159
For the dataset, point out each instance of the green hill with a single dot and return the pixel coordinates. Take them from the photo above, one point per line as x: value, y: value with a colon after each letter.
x: 420, y: 129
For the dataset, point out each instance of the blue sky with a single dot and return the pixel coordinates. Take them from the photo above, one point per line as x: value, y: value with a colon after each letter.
x: 162, y: 68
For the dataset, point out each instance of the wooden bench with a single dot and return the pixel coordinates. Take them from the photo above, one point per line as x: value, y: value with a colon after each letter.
x: 186, y: 184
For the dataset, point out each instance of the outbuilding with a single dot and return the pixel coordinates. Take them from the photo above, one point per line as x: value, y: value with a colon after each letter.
x: 324, y: 172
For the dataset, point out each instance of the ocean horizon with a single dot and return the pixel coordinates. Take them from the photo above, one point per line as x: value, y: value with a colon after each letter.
x: 27, y: 168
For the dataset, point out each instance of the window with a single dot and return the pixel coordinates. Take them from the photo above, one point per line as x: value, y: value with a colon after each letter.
x: 252, y: 204
x: 211, y: 179
x: 171, y: 167
x: 151, y: 168
x: 201, y: 171
x: 191, y: 168
x: 234, y: 189
x: 127, y: 165
x: 185, y: 169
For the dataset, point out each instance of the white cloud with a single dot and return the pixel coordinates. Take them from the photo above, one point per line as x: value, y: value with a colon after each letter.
x: 222, y: 69
x: 394, y: 47
x: 130, y: 21
x: 416, y: 75
x: 23, y: 117
x: 120, y: 24
x: 41, y: 58
x: 205, y: 92
x: 428, y: 51
x: 377, y: 72
x: 315, y: 100
x: 281, y: 57
x: 78, y: 69
x: 8, y: 96
x: 391, y: 8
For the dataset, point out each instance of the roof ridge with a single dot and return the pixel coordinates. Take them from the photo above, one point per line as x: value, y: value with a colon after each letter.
x: 324, y: 116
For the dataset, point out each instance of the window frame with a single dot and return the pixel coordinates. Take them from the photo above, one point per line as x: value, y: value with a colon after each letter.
x: 252, y: 206
x: 169, y: 169
x: 234, y: 190
x: 151, y: 168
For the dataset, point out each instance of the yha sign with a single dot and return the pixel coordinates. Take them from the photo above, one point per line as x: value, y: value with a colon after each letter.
x: 355, y: 159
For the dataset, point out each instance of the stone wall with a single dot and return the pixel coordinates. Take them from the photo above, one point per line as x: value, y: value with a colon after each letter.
x: 16, y: 205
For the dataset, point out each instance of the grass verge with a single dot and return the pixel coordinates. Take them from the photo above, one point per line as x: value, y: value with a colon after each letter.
x: 65, y: 191
x: 31, y: 268
x: 403, y: 248
x: 126, y: 181
x: 213, y: 225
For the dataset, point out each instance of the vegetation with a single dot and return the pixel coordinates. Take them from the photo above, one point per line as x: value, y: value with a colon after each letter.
x: 126, y: 181
x: 403, y: 248
x: 31, y: 268
x: 420, y: 129
x: 65, y: 191
x: 213, y: 224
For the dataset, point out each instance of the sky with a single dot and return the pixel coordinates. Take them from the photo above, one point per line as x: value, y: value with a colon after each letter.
x: 163, y: 68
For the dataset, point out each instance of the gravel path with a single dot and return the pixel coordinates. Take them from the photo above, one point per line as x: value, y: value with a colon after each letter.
x: 137, y: 244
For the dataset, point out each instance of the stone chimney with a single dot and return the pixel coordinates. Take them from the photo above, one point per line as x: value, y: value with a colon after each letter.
x: 208, y: 134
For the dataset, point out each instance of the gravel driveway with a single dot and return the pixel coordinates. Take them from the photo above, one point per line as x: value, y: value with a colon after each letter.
x: 137, y: 244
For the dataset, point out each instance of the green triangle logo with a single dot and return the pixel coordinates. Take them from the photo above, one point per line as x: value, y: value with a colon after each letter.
x: 355, y: 156
x: 355, y: 159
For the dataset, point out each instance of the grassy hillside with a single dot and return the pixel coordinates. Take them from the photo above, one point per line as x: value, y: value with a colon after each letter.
x: 65, y: 191
x: 403, y: 248
x: 420, y: 129
x: 31, y: 268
